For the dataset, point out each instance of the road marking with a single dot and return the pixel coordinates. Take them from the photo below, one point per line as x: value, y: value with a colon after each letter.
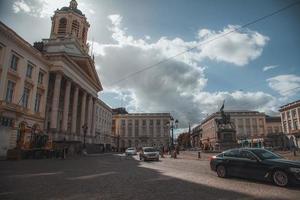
x: 34, y: 175
x: 91, y: 176
x: 6, y: 193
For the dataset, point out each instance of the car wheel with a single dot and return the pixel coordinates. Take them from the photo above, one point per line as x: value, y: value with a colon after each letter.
x: 157, y: 159
x: 221, y: 171
x: 280, y: 178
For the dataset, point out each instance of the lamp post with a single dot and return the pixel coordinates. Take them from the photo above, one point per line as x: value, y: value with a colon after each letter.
x: 172, y: 125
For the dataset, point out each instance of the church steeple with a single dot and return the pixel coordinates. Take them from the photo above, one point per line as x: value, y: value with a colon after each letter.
x: 69, y: 22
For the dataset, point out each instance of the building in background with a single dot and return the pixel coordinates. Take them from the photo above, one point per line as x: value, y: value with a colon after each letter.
x: 250, y: 128
x: 140, y: 129
x: 275, y: 137
x: 24, y: 74
x: 290, y: 121
x: 103, y: 122
x: 196, y: 135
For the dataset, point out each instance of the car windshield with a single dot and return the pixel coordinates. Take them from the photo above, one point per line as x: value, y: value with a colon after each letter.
x: 264, y: 154
x: 130, y: 149
x: 149, y: 150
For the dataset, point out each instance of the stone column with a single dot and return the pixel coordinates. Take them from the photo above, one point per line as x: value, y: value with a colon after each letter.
x: 94, y: 118
x: 287, y: 122
x: 82, y: 117
x: 74, y: 110
x: 55, y: 101
x: 66, y: 106
x: 89, y: 115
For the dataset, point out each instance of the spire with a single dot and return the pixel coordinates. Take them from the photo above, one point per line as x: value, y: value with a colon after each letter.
x: 73, y: 4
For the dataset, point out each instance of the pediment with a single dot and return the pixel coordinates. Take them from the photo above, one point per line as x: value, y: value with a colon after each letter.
x: 88, y: 67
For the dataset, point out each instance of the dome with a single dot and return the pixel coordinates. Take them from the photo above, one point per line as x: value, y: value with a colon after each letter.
x: 72, y: 7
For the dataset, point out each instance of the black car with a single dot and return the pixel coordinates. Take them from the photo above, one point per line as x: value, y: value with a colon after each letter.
x: 256, y: 163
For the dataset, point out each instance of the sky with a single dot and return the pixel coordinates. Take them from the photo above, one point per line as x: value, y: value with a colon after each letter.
x: 252, y: 68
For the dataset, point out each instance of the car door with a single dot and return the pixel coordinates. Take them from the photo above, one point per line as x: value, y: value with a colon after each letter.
x: 252, y: 167
x: 232, y: 162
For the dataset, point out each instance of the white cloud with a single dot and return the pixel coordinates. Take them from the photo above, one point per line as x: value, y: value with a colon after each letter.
x: 285, y: 85
x: 46, y: 8
x: 21, y: 6
x: 177, y: 86
x: 238, y: 47
x: 268, y: 67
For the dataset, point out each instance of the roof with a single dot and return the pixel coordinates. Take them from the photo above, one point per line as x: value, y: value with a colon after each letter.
x: 273, y: 119
x: 290, y: 105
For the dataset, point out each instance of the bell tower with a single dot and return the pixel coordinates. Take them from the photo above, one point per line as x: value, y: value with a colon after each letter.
x: 70, y: 23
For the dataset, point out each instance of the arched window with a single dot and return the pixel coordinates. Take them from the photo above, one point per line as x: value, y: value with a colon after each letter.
x: 62, y: 26
x: 75, y: 28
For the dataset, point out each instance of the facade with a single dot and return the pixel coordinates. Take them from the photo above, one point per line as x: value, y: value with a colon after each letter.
x: 290, y: 121
x: 273, y: 125
x: 103, y: 122
x: 24, y: 75
x: 141, y: 129
x: 250, y: 126
x: 195, y: 137
x: 50, y: 87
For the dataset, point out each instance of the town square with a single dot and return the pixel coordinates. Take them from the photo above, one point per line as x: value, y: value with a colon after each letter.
x: 141, y: 99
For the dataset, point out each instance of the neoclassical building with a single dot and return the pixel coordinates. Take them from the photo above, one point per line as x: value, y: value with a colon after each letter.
x: 249, y: 125
x: 290, y: 119
x: 140, y: 129
x: 52, y: 86
x: 103, y: 122
x: 73, y: 80
x: 24, y: 75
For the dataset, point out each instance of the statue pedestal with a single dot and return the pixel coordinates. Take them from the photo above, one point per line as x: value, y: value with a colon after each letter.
x: 226, y: 139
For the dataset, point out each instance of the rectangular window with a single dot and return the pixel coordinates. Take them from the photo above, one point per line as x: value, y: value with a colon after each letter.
x: 144, y: 122
x: 37, y: 102
x: 123, y: 122
x: 151, y: 122
x: 9, y: 91
x: 40, y: 78
x: 25, y: 97
x: 14, y: 62
x: 295, y: 125
x: 1, y: 50
x: 29, y: 70
x: 294, y: 113
x: 158, y: 122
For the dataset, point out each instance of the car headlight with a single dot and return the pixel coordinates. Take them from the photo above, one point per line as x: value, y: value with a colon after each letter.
x: 295, y: 170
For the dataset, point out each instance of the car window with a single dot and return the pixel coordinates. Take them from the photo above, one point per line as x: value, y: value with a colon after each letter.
x: 149, y: 150
x: 220, y: 155
x: 247, y: 154
x: 232, y: 153
x: 264, y: 154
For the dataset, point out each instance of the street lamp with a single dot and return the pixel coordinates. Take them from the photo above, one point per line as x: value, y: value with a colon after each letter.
x: 172, y: 125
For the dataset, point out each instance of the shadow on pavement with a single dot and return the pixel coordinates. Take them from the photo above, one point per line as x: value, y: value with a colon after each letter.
x: 99, y: 178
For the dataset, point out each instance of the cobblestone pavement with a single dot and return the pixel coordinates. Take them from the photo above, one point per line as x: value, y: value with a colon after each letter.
x: 118, y: 177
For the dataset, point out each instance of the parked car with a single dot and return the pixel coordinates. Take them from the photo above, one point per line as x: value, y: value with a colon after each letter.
x: 149, y: 153
x: 130, y: 151
x: 256, y: 163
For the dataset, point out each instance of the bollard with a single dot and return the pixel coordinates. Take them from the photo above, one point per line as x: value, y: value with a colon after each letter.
x: 199, y: 155
x: 175, y: 154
